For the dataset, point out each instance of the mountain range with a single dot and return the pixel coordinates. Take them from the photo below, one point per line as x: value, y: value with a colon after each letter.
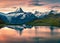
x: 17, y: 17
x: 21, y: 17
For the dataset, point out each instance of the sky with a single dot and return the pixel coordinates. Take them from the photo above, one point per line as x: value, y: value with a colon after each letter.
x: 29, y: 5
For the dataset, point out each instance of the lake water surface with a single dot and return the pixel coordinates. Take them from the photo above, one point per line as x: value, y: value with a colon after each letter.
x: 38, y: 34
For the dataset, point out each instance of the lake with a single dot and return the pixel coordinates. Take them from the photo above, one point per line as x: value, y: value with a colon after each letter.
x: 35, y: 34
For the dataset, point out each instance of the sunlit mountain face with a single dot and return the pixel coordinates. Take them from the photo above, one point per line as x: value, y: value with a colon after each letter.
x: 29, y: 5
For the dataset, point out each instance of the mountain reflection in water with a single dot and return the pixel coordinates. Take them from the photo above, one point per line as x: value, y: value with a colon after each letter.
x: 36, y: 34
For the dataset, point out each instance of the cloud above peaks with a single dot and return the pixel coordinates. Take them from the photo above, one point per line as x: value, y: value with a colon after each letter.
x: 9, y: 3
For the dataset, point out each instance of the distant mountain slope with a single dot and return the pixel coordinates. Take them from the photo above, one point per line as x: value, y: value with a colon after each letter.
x: 50, y: 19
x: 20, y: 17
x: 3, y: 17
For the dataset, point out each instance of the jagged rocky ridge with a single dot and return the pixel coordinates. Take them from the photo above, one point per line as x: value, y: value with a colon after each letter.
x: 21, y: 17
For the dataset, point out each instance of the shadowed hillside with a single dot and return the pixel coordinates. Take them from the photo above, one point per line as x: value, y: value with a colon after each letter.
x: 48, y: 20
x: 2, y: 23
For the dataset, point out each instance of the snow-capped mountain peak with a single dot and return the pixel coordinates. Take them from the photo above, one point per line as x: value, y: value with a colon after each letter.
x: 19, y: 10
